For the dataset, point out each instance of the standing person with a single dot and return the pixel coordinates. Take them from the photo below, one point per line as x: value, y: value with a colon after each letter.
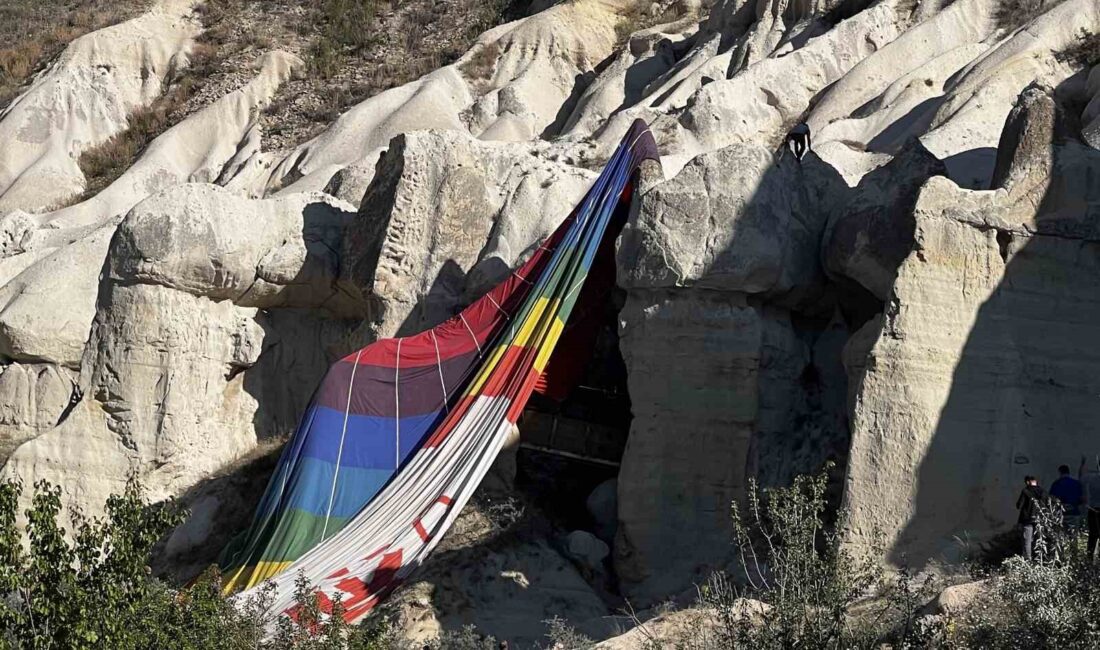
x: 1069, y: 492
x: 1028, y: 505
x: 1091, y: 483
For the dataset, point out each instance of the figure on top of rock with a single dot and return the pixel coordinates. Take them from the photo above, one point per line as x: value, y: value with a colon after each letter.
x: 798, y: 140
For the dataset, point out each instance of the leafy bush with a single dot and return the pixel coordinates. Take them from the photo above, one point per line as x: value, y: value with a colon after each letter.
x: 1052, y: 601
x: 795, y: 563
x: 95, y: 590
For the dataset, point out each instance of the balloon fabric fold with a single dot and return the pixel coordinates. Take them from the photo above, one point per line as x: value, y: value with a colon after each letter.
x: 400, y: 433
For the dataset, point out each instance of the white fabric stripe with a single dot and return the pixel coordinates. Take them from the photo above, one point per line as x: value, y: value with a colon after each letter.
x: 499, y: 308
x: 397, y: 407
x: 471, y: 331
x: 340, y: 451
x: 456, y: 470
x: 439, y: 367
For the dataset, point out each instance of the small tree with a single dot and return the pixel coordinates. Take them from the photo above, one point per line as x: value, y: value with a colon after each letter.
x: 88, y: 592
x: 92, y: 587
x: 793, y: 561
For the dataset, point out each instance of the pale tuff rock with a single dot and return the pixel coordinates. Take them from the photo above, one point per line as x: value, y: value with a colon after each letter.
x: 51, y: 273
x: 961, y: 316
x: 602, y: 507
x: 762, y: 102
x: 966, y: 126
x: 509, y: 584
x: 870, y: 234
x: 731, y: 228
x: 195, y: 150
x: 1090, y: 118
x: 515, y: 98
x: 981, y: 372
x: 83, y: 99
x: 695, y: 627
x: 956, y: 599
x: 446, y: 218
x: 586, y: 549
x: 178, y: 320
x: 731, y: 220
x: 34, y: 398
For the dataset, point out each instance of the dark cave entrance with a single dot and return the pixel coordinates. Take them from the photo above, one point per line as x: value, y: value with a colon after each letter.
x: 570, y: 446
x: 574, y: 429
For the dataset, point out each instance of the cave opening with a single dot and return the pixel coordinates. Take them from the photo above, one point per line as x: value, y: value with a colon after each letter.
x: 574, y: 429
x: 569, y: 446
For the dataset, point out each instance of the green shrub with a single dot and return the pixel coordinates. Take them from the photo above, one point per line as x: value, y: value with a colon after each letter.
x: 1052, y: 601
x: 793, y: 561
x: 90, y: 587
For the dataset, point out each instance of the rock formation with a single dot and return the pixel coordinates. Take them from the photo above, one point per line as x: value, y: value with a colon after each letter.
x: 913, y: 301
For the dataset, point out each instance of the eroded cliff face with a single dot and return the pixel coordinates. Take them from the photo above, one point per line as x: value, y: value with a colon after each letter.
x: 912, y: 301
x: 982, y: 367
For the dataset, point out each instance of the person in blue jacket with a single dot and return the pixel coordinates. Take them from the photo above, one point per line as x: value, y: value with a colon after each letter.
x: 1069, y: 492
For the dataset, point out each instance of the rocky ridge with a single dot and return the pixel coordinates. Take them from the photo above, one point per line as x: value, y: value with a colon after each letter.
x: 912, y: 301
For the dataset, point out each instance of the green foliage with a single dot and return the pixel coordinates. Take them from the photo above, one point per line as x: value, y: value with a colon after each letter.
x: 562, y: 635
x: 793, y: 561
x: 90, y: 587
x: 1052, y: 601
x: 309, y: 629
x: 90, y: 592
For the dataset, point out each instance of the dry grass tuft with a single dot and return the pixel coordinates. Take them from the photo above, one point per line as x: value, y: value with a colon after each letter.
x: 34, y: 31
x: 1084, y: 53
x: 480, y: 65
x: 642, y: 16
x: 103, y: 164
x: 1011, y: 14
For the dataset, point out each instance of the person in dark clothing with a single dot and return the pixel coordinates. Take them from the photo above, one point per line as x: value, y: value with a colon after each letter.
x: 799, y: 140
x: 1028, y: 505
x: 1069, y: 492
x: 1091, y: 484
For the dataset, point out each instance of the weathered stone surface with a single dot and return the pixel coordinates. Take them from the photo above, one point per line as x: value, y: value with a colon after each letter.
x: 587, y: 549
x: 1090, y: 118
x: 507, y: 583
x: 195, y: 150
x: 445, y: 219
x: 602, y: 506
x: 956, y: 599
x: 982, y: 370
x: 83, y: 99
x: 33, y: 398
x: 728, y: 221
x: 961, y: 316
x: 872, y: 232
x: 706, y: 249
x: 695, y: 627
x: 177, y: 325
